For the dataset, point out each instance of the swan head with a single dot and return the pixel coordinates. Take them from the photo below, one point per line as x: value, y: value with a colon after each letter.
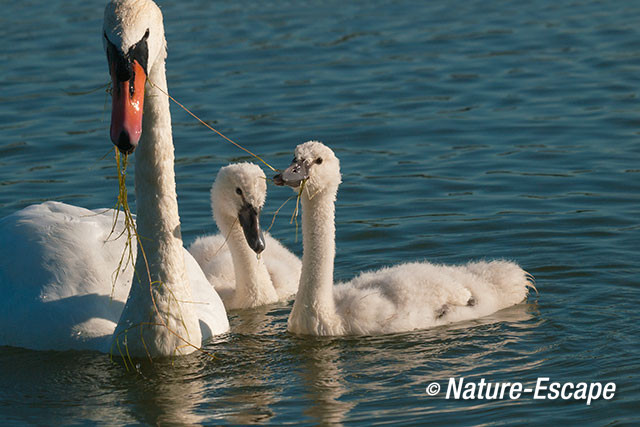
x: 238, y: 194
x: 133, y: 37
x: 316, y: 165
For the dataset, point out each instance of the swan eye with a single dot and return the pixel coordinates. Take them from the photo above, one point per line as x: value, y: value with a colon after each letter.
x: 140, y: 52
x: 238, y: 191
x: 319, y: 161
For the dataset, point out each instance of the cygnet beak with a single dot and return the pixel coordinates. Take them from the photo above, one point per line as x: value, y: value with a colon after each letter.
x: 293, y: 175
x: 249, y: 218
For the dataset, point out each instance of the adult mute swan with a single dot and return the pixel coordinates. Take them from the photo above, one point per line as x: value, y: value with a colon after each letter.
x: 401, y: 298
x: 242, y: 279
x: 57, y: 261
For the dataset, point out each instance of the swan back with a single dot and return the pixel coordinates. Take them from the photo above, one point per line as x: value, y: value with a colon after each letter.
x: 57, y: 282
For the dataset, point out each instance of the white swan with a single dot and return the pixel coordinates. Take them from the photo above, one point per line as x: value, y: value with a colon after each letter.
x: 242, y: 279
x: 401, y: 298
x: 57, y: 264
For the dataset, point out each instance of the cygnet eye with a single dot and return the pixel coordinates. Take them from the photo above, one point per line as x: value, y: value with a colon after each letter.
x: 238, y: 191
x: 319, y: 161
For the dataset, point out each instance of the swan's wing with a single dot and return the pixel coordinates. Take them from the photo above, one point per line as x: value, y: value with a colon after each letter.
x: 508, y: 281
x: 206, y: 301
x: 214, y: 258
x: 57, y: 266
x: 283, y: 267
x: 421, y: 295
x: 406, y: 296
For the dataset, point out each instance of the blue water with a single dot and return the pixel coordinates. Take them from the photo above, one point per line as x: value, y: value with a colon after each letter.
x: 465, y: 129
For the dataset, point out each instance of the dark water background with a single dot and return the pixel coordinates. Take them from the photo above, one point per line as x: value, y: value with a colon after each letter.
x: 465, y: 129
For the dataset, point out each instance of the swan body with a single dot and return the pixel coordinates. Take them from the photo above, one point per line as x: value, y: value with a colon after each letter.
x: 405, y: 297
x: 231, y: 266
x: 57, y: 284
x: 57, y: 271
x: 57, y: 266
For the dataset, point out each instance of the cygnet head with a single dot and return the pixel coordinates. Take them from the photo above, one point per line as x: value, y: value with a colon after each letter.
x: 314, y: 163
x: 237, y: 195
x: 133, y: 37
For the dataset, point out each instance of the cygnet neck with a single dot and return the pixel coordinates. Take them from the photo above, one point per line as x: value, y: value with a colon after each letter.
x: 314, y: 309
x: 253, y: 283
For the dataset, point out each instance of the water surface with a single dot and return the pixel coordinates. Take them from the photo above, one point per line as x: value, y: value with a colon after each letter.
x: 465, y: 129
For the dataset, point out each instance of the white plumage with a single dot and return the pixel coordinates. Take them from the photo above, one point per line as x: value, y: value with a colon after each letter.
x: 57, y: 266
x: 57, y: 261
x: 405, y: 297
x: 243, y: 279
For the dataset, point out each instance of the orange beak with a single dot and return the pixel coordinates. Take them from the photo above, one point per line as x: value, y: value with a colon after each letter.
x: 126, y: 109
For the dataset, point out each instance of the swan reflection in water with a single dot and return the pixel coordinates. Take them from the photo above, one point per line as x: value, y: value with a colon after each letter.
x: 262, y: 371
x: 262, y: 374
x: 168, y: 392
x: 324, y: 380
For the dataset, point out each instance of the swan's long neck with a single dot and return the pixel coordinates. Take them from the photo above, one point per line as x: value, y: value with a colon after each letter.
x: 253, y: 283
x: 156, y: 200
x: 158, y: 225
x: 314, y: 309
